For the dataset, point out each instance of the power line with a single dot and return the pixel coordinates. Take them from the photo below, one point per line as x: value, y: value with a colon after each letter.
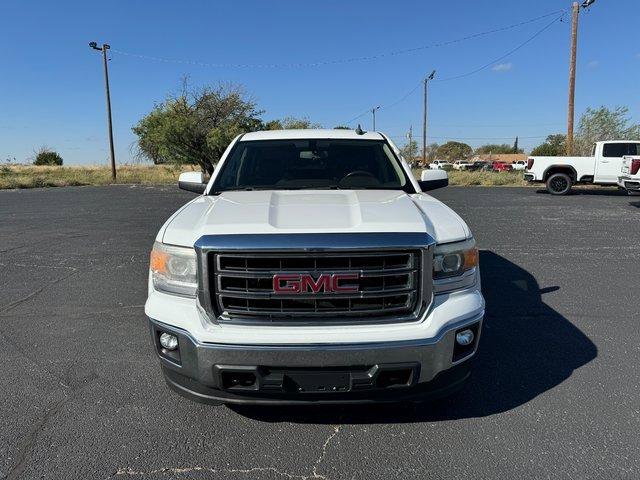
x: 477, y: 70
x: 355, y: 118
x: 336, y: 61
x: 455, y: 137
x: 502, y: 57
x: 479, y: 125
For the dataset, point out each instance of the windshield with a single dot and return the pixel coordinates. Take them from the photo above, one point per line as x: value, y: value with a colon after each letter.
x: 310, y: 164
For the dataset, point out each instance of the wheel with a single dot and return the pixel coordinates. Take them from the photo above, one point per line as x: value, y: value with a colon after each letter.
x: 559, y: 184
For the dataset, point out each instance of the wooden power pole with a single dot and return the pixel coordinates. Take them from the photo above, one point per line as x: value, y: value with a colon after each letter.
x: 572, y: 77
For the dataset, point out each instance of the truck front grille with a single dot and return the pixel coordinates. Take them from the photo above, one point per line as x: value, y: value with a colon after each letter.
x: 371, y: 286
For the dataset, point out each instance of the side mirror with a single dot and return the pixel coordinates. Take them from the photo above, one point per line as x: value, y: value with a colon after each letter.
x: 192, y: 182
x: 432, y: 179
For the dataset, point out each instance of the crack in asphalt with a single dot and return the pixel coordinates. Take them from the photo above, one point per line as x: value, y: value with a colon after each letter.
x: 336, y: 430
x: 241, y: 471
x: 37, y: 291
x: 25, y: 451
x: 178, y: 471
x: 20, y: 301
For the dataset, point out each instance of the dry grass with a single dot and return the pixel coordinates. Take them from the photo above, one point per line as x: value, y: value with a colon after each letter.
x: 28, y: 176
x: 483, y: 179
x: 487, y: 179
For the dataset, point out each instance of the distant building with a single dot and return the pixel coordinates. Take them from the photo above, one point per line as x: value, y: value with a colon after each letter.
x: 499, y: 157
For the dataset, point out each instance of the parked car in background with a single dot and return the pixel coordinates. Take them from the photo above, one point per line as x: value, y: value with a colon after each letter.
x: 500, y: 167
x: 480, y: 165
x: 629, y: 178
x: 519, y: 165
x: 440, y: 165
x: 602, y: 168
x: 462, y: 165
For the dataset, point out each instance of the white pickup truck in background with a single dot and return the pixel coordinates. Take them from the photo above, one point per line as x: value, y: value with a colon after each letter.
x: 602, y: 168
x: 440, y: 165
x: 629, y: 178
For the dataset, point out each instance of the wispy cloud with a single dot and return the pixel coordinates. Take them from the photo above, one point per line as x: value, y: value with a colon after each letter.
x: 593, y: 64
x: 502, y: 67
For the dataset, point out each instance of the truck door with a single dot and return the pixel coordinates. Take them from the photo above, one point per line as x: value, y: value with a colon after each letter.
x: 609, y: 161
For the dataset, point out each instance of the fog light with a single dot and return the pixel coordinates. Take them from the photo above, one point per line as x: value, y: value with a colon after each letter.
x: 464, y: 337
x: 168, y: 341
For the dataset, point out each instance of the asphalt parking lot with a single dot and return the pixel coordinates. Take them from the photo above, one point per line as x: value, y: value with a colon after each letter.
x: 555, y: 392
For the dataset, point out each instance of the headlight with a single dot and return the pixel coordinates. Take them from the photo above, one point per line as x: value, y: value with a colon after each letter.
x: 453, y: 259
x: 454, y: 266
x: 173, y: 269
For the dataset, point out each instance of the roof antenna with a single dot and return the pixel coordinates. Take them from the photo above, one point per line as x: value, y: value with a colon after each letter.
x: 359, y: 130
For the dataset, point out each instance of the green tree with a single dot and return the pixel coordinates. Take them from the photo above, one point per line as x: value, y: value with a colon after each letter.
x: 604, y: 124
x: 496, y: 148
x: 46, y: 156
x: 554, y: 145
x: 453, y: 151
x: 290, y: 123
x: 431, y: 151
x: 410, y: 151
x: 341, y: 127
x: 196, y: 126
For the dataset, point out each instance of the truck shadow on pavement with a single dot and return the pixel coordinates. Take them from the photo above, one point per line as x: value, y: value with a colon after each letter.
x: 526, y: 349
x: 603, y: 191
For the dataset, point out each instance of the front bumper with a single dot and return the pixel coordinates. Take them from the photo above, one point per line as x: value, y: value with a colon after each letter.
x: 349, y: 373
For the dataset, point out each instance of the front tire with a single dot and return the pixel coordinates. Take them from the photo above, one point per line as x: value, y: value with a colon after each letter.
x: 559, y: 184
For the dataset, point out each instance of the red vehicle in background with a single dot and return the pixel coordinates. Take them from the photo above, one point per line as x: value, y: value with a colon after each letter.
x: 500, y: 167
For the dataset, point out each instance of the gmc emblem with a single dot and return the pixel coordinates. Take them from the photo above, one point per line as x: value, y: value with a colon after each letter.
x: 298, y: 283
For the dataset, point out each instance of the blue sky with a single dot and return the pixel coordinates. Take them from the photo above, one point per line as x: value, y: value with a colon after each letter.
x: 51, y: 90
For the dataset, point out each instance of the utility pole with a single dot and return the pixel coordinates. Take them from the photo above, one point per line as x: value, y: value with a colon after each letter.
x: 410, y: 137
x: 424, y: 119
x: 373, y: 112
x: 112, y: 154
x: 572, y: 77
x: 572, y: 71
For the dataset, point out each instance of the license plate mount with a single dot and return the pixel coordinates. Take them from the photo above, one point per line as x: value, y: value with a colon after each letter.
x: 317, y: 382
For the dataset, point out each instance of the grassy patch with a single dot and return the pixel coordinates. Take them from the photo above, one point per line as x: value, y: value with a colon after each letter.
x: 27, y: 176
x: 487, y: 179
x: 483, y: 179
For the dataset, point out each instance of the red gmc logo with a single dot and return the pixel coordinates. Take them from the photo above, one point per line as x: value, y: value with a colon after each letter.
x: 296, y: 283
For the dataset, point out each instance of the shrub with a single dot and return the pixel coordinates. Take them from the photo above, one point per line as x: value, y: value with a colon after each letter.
x: 46, y: 156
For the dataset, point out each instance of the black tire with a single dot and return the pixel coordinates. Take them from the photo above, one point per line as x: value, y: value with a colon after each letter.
x: 559, y: 184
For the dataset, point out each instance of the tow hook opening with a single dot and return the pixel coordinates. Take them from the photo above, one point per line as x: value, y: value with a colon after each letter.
x: 400, y: 377
x: 238, y: 378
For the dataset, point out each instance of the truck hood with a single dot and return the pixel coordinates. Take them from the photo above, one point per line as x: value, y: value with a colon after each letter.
x: 312, y: 211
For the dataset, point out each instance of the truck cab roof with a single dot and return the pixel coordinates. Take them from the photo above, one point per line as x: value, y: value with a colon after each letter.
x: 320, y: 133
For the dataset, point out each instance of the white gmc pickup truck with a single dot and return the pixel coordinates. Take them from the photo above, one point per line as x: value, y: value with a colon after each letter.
x: 602, y: 168
x: 313, y: 269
